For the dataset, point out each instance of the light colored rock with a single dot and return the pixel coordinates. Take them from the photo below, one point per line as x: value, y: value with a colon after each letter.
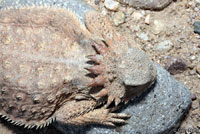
x: 147, y: 19
x: 143, y: 36
x: 158, y: 26
x: 164, y: 46
x: 135, y: 28
x: 111, y: 5
x: 104, y: 11
x: 197, y: 2
x: 192, y: 58
x: 118, y: 18
x: 198, y: 68
x: 137, y: 16
x: 198, y: 124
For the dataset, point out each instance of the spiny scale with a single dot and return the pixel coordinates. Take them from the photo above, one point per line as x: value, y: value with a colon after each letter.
x: 102, y: 49
x: 44, y: 69
x: 96, y: 58
x: 95, y: 69
x: 98, y: 81
x: 28, y: 126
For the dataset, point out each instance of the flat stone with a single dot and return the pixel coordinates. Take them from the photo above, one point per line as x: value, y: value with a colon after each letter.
x: 147, y: 4
x: 158, y: 111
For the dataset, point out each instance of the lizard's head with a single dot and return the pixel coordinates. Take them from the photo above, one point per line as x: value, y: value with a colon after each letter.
x: 124, y: 72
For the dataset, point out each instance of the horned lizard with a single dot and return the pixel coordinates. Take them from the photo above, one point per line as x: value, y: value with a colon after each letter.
x: 45, y: 46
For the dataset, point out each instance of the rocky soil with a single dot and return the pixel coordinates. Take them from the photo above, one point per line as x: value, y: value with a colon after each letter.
x: 168, y: 37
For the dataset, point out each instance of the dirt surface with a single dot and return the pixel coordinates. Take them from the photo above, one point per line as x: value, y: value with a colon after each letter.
x: 172, y: 26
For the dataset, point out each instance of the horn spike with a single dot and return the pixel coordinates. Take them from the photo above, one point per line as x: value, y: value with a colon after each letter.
x: 110, y: 100
x: 98, y: 81
x: 96, y: 58
x: 102, y: 49
x: 102, y: 93
x: 95, y: 69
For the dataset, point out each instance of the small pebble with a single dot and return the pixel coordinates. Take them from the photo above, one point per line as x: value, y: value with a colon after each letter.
x: 143, y: 36
x: 135, y: 28
x: 198, y: 75
x: 175, y: 65
x: 198, y: 125
x: 147, y: 19
x: 196, y: 9
x: 143, y: 12
x: 104, y: 11
x: 96, y: 2
x: 164, y: 46
x: 198, y: 68
x: 192, y: 72
x: 137, y: 16
x: 195, y: 105
x: 195, y: 111
x: 197, y: 27
x: 158, y: 26
x: 193, y: 57
x: 118, y: 18
x: 111, y: 5
x: 193, y: 97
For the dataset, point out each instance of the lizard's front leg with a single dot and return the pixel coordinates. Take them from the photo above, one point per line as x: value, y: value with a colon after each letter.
x: 84, y: 112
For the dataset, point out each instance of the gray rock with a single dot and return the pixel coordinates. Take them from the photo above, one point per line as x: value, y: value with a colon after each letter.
x: 164, y: 46
x: 197, y: 27
x: 158, y: 111
x: 147, y: 4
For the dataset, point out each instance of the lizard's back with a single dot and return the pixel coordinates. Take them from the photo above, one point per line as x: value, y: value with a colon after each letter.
x: 41, y: 49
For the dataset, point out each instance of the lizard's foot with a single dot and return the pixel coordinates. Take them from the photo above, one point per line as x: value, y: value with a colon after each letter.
x: 114, y: 118
x: 101, y: 116
x: 113, y: 96
x: 105, y: 74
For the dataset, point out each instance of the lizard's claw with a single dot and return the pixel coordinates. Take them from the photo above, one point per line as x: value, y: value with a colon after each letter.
x: 104, y: 92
